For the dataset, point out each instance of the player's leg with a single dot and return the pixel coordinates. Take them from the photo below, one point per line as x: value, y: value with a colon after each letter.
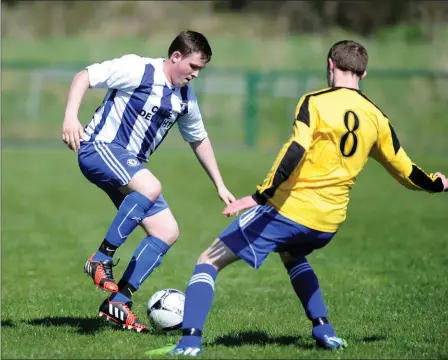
x: 199, y: 296
x: 245, y: 238
x: 162, y: 231
x: 307, y: 289
x: 140, y: 195
x: 134, y: 190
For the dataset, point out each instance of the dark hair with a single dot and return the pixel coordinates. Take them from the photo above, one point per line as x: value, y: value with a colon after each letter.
x: 188, y: 42
x: 349, y: 55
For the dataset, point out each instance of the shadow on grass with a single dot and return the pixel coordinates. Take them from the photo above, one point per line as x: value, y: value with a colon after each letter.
x: 84, y: 326
x: 374, y: 338
x: 7, y: 323
x: 259, y: 338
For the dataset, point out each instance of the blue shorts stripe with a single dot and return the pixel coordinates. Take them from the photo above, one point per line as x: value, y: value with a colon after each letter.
x: 252, y: 216
x: 109, y: 163
x: 110, y: 166
x: 245, y: 218
x: 115, y: 161
x: 262, y: 230
x: 244, y: 215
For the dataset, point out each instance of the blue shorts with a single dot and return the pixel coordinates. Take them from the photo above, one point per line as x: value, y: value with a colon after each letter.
x: 110, y: 166
x: 262, y: 230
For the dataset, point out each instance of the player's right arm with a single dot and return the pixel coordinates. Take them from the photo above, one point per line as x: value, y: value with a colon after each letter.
x: 123, y: 73
x: 72, y: 130
x: 193, y: 131
x: 390, y: 154
x: 292, y: 152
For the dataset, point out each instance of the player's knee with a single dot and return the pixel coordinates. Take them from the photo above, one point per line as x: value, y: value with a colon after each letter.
x: 172, y: 234
x: 146, y: 184
x: 169, y: 233
x: 153, y: 190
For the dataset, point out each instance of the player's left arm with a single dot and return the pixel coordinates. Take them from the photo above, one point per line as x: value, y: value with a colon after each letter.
x: 204, y: 152
x: 193, y: 131
x: 288, y: 159
x: 389, y: 153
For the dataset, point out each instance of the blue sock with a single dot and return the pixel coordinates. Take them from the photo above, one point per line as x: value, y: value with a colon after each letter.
x: 198, y: 301
x: 130, y: 214
x: 147, y: 257
x: 125, y: 292
x: 306, y: 286
x: 322, y: 331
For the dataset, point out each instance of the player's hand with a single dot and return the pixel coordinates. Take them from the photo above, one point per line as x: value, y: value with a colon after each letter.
x: 239, y: 205
x: 72, y: 133
x: 226, y: 195
x: 444, y: 180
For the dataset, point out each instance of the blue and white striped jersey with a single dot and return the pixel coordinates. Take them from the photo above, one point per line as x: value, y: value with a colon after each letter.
x: 141, y: 106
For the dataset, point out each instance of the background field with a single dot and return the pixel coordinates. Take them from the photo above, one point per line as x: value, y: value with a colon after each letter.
x: 384, y: 276
x: 232, y: 90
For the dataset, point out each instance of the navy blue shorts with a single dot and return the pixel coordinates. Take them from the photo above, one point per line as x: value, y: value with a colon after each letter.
x: 110, y: 166
x: 262, y: 230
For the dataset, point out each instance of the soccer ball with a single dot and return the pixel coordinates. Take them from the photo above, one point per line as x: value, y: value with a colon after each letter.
x: 166, y: 310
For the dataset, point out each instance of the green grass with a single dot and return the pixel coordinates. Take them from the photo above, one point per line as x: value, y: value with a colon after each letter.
x: 384, y: 276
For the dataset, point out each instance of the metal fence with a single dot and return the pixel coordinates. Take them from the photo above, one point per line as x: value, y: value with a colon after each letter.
x: 239, y: 107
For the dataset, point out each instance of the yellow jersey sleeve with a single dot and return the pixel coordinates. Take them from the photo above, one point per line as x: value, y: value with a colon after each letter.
x: 389, y: 153
x: 292, y: 152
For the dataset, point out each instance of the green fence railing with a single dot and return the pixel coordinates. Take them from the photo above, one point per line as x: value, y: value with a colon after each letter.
x: 245, y: 107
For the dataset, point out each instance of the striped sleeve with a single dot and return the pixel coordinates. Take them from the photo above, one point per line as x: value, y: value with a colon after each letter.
x: 390, y: 154
x: 292, y: 152
x: 190, y: 122
x: 123, y: 73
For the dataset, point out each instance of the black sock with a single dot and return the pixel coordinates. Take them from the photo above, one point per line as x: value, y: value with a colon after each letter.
x: 107, y: 248
x: 125, y: 292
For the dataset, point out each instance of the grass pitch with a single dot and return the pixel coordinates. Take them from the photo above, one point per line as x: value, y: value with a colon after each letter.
x: 384, y: 275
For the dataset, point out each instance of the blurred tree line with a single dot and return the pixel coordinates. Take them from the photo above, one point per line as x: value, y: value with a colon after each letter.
x: 419, y: 19
x: 365, y: 17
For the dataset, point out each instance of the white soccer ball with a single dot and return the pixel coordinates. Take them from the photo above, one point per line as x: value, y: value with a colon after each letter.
x: 166, y: 310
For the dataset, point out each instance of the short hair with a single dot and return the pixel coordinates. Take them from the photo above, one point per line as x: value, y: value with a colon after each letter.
x: 349, y: 55
x: 188, y: 42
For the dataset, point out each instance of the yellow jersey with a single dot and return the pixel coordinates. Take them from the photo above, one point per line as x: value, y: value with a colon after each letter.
x: 334, y: 132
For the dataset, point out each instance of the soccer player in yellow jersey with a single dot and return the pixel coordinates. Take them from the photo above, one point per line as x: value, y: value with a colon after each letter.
x: 303, y: 200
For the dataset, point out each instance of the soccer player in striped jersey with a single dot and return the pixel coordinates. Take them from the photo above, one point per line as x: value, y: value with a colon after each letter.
x: 303, y: 200
x: 145, y: 98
